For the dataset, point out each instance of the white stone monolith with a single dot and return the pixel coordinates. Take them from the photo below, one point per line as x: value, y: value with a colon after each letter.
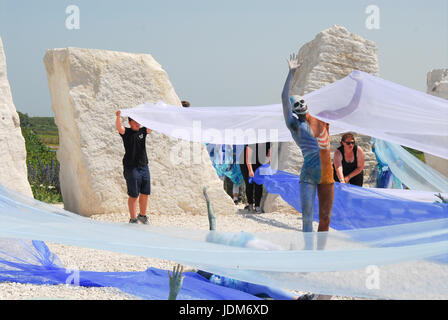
x: 437, y: 85
x: 332, y: 55
x: 13, y: 171
x: 87, y: 86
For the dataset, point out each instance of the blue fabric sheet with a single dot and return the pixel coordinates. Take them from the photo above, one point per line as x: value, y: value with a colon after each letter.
x: 225, y: 161
x: 354, y: 207
x: 385, y: 177
x: 34, y: 263
x: 407, y: 169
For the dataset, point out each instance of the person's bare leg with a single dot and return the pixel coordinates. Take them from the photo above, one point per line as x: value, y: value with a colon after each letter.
x: 143, y: 203
x: 325, y: 193
x: 132, y: 204
x: 307, y: 198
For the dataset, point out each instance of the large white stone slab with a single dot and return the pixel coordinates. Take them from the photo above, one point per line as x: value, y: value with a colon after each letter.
x: 13, y: 171
x: 332, y: 55
x: 87, y: 86
x: 437, y: 82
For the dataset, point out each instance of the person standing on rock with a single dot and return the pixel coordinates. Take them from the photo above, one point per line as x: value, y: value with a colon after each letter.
x: 312, y: 137
x: 135, y: 167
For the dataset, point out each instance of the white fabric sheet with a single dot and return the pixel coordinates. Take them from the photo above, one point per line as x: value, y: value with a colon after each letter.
x: 359, y: 102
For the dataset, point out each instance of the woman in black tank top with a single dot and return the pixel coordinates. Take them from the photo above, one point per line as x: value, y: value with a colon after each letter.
x: 350, y: 158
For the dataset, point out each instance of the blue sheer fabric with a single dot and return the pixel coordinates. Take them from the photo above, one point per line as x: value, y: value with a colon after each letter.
x: 406, y: 168
x: 32, y: 262
x: 225, y: 161
x: 385, y: 178
x: 396, y: 250
x: 354, y: 207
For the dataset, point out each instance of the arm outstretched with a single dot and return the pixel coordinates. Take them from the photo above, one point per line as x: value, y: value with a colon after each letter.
x: 287, y: 112
x: 118, y: 123
x: 211, y: 213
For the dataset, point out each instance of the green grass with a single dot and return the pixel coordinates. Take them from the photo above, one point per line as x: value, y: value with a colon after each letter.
x: 44, y: 127
x: 46, y: 194
x: 49, y: 140
x: 41, y: 140
x: 418, y: 154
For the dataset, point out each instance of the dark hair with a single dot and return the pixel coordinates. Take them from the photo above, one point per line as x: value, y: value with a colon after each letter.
x: 347, y: 135
x: 185, y: 104
x: 130, y: 119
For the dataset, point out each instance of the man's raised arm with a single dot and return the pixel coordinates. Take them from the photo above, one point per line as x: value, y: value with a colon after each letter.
x: 118, y: 123
x: 287, y: 112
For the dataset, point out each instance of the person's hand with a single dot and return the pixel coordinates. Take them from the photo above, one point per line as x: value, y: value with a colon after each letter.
x: 176, y: 281
x: 118, y: 113
x: 346, y: 179
x: 441, y: 198
x: 293, y: 61
x: 251, y: 173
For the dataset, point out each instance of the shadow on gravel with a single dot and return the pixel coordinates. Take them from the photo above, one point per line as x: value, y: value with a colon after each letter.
x: 269, y: 221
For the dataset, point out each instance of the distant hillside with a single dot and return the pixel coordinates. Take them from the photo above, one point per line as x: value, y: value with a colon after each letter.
x: 43, y: 127
x: 41, y: 138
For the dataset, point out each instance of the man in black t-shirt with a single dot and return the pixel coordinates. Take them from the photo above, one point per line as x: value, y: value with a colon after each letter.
x: 135, y: 167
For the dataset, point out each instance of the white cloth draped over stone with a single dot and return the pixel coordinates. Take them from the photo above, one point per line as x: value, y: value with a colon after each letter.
x: 360, y: 102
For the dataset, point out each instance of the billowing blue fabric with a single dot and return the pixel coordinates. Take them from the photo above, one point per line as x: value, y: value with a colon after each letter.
x: 385, y: 177
x: 154, y: 284
x: 32, y: 262
x: 415, y: 174
x: 354, y: 207
x: 337, y: 270
x: 225, y: 161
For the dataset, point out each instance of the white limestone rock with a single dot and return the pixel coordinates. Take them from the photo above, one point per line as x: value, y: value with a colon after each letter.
x: 13, y: 171
x: 87, y: 86
x: 437, y: 82
x: 332, y: 55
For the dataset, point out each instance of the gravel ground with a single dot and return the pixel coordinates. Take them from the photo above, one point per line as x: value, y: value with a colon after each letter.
x: 97, y: 260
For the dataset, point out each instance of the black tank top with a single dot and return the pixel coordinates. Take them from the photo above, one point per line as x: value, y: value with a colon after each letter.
x: 349, y: 167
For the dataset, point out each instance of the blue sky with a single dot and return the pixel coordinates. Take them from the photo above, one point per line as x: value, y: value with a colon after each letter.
x: 217, y: 52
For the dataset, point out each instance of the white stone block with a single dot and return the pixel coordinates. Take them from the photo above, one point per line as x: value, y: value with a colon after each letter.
x: 437, y: 81
x: 332, y: 55
x: 13, y: 171
x: 87, y: 86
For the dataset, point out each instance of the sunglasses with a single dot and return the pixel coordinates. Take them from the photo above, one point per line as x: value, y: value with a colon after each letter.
x: 349, y: 142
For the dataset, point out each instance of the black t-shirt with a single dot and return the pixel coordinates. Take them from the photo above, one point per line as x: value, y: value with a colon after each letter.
x: 135, y: 147
x: 259, y: 153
